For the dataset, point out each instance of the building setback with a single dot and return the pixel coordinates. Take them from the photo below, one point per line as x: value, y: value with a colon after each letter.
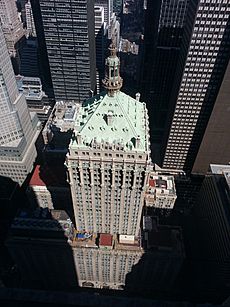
x: 18, y: 127
x: 70, y: 42
x: 36, y: 99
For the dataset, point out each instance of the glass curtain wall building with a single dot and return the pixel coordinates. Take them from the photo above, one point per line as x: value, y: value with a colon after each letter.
x: 69, y: 36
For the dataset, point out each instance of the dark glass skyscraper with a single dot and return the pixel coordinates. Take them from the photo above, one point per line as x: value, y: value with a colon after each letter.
x: 70, y: 42
x: 184, y: 67
x: 164, y: 24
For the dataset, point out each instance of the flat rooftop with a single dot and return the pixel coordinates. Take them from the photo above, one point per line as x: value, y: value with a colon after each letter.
x: 45, y: 176
x: 105, y: 239
x: 163, y: 184
x: 49, y: 224
x: 221, y: 169
x: 162, y: 237
x: 42, y: 223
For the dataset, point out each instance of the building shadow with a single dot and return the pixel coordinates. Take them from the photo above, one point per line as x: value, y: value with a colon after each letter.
x: 39, y: 243
x: 12, y: 199
x: 49, y: 188
x: 35, y: 243
x: 160, y: 263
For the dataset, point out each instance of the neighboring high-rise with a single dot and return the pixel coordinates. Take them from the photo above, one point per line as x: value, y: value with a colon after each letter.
x: 215, y: 145
x: 117, y: 6
x: 36, y: 99
x: 44, y: 69
x: 108, y: 8
x: 30, y: 26
x: 164, y: 25
x: 200, y: 70
x: 18, y: 128
x: 186, y: 45
x: 114, y: 30
x: 211, y: 213
x: 109, y: 158
x: 70, y: 42
x: 12, y: 28
x: 100, y: 40
x: 29, y: 58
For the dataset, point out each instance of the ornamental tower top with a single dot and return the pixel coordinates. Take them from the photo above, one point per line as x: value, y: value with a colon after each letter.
x: 113, y: 81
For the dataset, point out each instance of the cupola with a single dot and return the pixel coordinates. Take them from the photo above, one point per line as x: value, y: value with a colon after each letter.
x: 113, y: 80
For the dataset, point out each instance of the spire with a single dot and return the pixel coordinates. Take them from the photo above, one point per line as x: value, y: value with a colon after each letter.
x: 112, y: 81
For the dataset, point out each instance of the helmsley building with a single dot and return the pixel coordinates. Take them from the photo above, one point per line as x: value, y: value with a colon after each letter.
x: 109, y: 165
x: 109, y: 158
x: 113, y: 244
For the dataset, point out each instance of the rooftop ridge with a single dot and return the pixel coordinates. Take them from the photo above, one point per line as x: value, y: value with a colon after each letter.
x: 126, y: 115
x: 93, y: 113
x: 112, y: 119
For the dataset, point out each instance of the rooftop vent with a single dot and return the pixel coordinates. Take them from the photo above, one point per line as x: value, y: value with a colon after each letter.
x: 109, y: 118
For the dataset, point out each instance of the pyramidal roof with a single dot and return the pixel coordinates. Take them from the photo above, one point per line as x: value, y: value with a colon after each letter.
x: 112, y: 117
x: 118, y: 119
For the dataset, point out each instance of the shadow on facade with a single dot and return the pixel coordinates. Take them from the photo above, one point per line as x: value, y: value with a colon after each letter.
x: 48, y: 188
x: 212, y: 91
x: 60, y: 192
x: 43, y: 63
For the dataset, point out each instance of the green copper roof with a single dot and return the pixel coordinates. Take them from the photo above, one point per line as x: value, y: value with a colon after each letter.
x: 113, y: 119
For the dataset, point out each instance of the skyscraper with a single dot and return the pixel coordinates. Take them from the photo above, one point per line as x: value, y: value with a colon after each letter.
x: 12, y: 28
x: 18, y: 128
x: 112, y: 180
x: 44, y: 68
x: 211, y: 212
x: 108, y: 8
x: 164, y: 25
x: 215, y: 145
x: 109, y: 158
x: 118, y: 6
x: 200, y: 70
x: 69, y: 36
x: 30, y: 26
x: 35, y: 97
x: 114, y: 30
x: 100, y: 40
